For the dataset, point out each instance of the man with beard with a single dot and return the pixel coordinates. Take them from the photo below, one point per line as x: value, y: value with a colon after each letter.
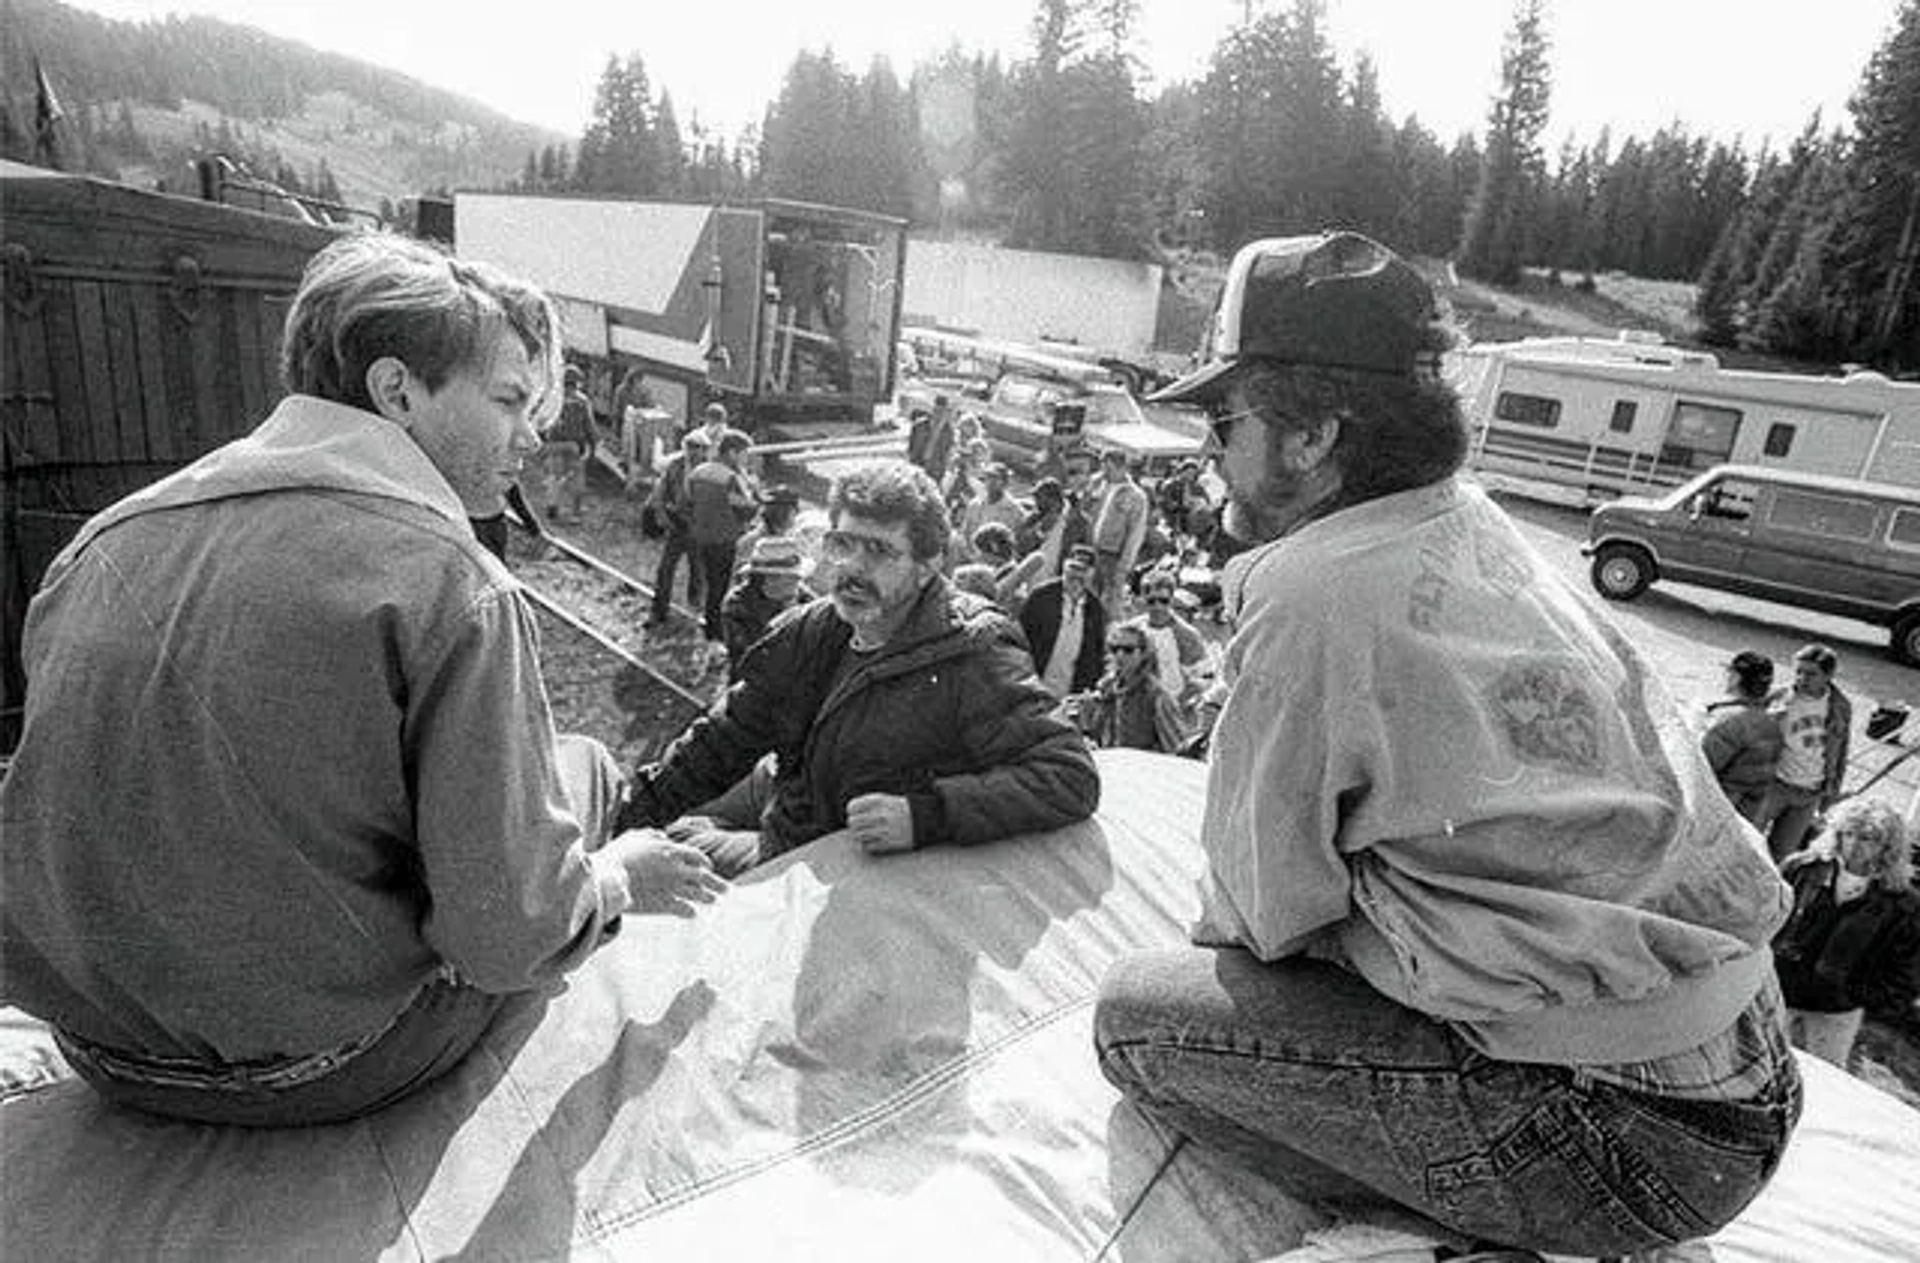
x: 894, y: 707
x: 1479, y: 935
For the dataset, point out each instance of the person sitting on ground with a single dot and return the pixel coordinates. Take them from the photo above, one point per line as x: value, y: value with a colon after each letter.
x: 1066, y: 627
x: 769, y: 584
x: 1184, y: 663
x: 895, y: 708
x: 1479, y: 936
x: 1129, y: 706
x: 316, y: 836
x: 1742, y: 741
x: 1816, y: 726
x: 1852, y: 943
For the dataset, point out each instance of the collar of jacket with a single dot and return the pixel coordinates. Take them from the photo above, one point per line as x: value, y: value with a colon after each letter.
x: 305, y: 442
x: 936, y: 629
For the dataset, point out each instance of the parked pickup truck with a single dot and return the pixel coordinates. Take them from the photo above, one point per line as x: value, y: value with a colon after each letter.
x: 1024, y: 415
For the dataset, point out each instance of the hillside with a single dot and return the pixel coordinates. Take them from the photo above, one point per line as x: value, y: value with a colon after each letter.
x: 142, y: 99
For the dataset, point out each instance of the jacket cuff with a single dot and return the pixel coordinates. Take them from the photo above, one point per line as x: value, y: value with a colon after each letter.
x: 612, y: 889
x: 929, y: 818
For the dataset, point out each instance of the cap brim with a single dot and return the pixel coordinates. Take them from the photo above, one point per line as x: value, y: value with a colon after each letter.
x: 1200, y: 386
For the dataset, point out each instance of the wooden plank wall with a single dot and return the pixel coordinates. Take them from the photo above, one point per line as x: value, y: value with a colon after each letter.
x: 140, y: 331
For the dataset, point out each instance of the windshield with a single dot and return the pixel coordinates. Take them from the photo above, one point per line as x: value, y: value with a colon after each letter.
x: 1112, y: 405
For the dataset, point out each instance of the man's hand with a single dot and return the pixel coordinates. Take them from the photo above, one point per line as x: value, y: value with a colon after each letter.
x: 664, y: 875
x: 731, y: 851
x: 881, y: 823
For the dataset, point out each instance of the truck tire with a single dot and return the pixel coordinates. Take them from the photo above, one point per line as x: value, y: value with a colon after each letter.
x: 1905, y: 646
x: 1622, y: 571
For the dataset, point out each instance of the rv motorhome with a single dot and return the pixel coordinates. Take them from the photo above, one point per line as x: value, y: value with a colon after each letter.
x: 1583, y: 420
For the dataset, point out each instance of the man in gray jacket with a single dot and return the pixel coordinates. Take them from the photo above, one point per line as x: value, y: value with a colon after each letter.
x: 288, y: 822
x: 1479, y: 935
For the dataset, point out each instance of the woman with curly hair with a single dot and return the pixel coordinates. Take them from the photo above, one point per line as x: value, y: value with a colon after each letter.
x: 1852, y: 942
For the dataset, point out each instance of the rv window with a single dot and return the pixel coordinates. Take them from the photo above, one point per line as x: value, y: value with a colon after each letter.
x: 1905, y: 531
x: 1623, y: 414
x: 1779, y: 439
x: 1814, y: 514
x: 1535, y: 410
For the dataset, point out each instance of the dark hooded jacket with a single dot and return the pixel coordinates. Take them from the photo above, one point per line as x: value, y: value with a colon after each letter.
x: 948, y: 714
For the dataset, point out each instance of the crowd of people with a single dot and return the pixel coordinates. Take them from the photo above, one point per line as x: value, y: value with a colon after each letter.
x: 1851, y: 945
x: 1480, y: 935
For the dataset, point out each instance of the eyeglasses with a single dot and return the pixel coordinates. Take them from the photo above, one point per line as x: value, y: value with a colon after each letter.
x: 1125, y: 648
x: 845, y: 546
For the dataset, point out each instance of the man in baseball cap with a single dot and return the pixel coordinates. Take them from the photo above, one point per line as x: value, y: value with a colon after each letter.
x: 1334, y: 300
x: 1464, y: 857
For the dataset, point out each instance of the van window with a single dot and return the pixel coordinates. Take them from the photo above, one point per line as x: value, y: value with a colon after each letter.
x: 1905, y: 531
x: 1535, y: 410
x: 1815, y: 514
x: 1730, y: 500
x: 1623, y: 414
x: 1779, y: 439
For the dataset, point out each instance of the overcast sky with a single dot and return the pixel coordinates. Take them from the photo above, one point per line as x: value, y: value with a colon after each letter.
x: 1722, y: 68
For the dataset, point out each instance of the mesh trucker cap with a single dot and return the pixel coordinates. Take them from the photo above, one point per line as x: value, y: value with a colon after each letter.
x: 1335, y: 299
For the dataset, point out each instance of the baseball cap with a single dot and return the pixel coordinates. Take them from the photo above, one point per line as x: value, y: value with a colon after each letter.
x: 1333, y: 299
x: 778, y: 554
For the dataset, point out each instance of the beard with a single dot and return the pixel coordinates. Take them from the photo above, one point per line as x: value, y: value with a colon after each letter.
x: 1263, y: 512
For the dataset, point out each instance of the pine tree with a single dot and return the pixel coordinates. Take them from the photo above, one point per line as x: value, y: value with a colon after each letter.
x: 1878, y: 242
x: 1494, y: 243
x: 670, y: 149
x: 1035, y: 176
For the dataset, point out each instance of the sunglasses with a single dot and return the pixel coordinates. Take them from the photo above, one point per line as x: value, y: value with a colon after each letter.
x: 1159, y: 599
x: 1125, y: 648
x: 1221, y: 423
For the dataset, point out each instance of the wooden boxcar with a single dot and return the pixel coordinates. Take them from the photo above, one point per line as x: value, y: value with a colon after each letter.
x: 140, y: 330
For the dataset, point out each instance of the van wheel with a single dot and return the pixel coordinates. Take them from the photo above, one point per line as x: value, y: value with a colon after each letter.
x: 1906, y: 640
x: 1622, y: 571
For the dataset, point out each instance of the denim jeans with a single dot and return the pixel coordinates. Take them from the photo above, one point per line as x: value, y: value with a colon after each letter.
x: 432, y: 1035
x: 1828, y: 1036
x: 1786, y: 817
x: 1306, y: 1072
x: 676, y: 547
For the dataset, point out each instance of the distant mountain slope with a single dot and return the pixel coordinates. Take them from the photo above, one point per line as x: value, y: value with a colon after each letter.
x: 382, y: 134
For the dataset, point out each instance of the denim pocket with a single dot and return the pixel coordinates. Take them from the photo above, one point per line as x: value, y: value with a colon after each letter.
x: 1676, y: 1169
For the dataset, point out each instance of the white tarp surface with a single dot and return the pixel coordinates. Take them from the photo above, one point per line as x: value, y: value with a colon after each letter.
x: 843, y: 1059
